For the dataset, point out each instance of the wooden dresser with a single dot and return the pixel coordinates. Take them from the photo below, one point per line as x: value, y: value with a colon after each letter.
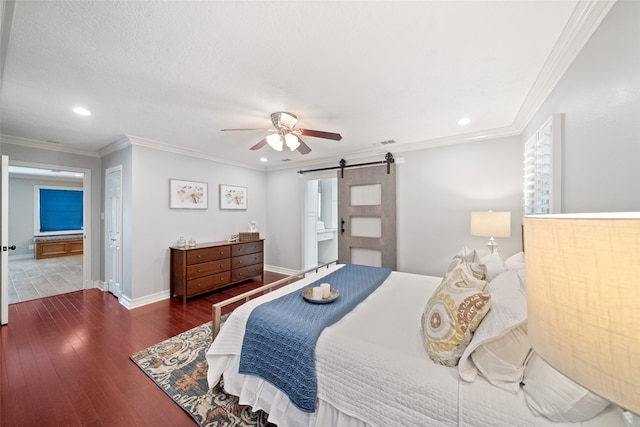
x: 210, y: 266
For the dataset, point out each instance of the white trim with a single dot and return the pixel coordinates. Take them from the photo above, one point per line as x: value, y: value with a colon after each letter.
x: 8, y: 139
x: 22, y: 256
x: 148, y: 143
x: 147, y: 299
x: 586, y: 17
x: 280, y: 270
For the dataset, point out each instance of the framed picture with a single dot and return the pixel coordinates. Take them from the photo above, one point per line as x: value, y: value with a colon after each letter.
x: 233, y: 197
x: 188, y: 194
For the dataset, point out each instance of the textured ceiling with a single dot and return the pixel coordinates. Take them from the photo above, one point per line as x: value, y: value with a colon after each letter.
x: 176, y: 73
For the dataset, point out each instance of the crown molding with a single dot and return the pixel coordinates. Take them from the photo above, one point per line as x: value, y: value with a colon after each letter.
x: 583, y: 22
x: 117, y: 145
x: 149, y: 143
x: 32, y: 143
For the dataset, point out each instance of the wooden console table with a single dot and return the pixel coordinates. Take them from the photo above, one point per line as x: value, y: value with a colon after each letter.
x: 210, y: 266
x: 56, y: 246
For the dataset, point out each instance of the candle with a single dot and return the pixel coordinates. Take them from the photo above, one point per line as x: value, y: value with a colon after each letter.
x: 316, y: 292
x: 326, y: 290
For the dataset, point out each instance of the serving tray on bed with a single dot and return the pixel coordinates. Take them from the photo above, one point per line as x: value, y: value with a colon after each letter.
x: 308, y: 292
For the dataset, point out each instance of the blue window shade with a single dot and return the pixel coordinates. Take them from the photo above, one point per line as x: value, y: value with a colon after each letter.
x: 60, y: 210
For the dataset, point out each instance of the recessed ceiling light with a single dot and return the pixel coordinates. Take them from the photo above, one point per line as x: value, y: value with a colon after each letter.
x: 263, y: 159
x: 82, y: 111
x: 464, y: 121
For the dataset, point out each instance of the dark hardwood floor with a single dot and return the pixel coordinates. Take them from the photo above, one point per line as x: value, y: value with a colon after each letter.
x: 64, y: 360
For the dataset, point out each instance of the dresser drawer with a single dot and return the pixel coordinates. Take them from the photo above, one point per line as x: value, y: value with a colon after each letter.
x: 245, y: 273
x: 207, y: 268
x: 246, y: 248
x: 196, y: 256
x: 245, y: 260
x: 208, y: 283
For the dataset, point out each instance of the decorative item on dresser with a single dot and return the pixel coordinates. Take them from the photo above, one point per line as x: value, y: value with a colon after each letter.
x: 210, y: 266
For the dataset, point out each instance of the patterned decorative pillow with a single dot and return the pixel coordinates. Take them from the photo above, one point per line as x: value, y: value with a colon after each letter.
x: 453, y: 312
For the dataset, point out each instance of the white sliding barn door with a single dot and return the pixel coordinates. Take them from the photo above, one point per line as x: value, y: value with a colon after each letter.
x: 367, y: 213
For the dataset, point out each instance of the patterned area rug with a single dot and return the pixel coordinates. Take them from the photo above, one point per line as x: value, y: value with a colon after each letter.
x: 178, y: 366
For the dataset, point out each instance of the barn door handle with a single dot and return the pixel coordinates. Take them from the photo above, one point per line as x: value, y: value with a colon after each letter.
x: 341, y: 225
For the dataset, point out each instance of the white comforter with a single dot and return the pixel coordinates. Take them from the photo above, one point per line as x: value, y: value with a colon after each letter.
x: 373, y: 370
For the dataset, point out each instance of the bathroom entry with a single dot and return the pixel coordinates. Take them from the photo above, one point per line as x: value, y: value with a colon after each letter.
x: 321, y: 221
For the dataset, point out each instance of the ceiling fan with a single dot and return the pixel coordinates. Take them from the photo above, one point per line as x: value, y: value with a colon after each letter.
x: 285, y: 133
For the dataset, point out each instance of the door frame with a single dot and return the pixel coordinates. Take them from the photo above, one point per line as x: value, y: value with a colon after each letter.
x: 310, y: 177
x: 4, y: 231
x: 86, y: 211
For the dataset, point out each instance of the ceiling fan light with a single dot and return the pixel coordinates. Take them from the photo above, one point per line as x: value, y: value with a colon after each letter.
x: 292, y: 141
x: 275, y: 141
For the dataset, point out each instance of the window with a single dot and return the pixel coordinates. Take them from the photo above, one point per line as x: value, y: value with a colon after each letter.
x: 542, y: 169
x: 57, y: 210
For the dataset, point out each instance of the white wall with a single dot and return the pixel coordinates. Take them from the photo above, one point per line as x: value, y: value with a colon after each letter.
x: 600, y: 97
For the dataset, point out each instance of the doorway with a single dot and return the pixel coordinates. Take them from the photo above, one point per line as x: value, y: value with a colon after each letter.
x: 321, y: 221
x: 32, y: 278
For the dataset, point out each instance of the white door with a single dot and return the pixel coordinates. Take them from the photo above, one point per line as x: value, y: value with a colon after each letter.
x: 367, y: 212
x: 113, y: 229
x: 4, y: 241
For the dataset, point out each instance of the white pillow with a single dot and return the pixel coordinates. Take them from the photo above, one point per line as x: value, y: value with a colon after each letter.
x: 495, y: 265
x: 554, y: 396
x: 508, y: 311
x: 515, y: 262
x: 502, y: 360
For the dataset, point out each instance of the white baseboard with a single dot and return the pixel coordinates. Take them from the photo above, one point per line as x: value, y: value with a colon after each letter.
x: 147, y: 299
x: 23, y: 256
x: 280, y: 270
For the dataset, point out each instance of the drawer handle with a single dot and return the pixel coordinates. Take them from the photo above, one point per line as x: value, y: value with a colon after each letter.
x: 199, y: 256
x: 221, y: 279
x: 199, y: 271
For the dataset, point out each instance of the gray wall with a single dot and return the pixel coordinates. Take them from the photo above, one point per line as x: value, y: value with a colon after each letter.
x: 21, y: 210
x: 600, y: 97
x: 437, y: 190
x: 150, y: 226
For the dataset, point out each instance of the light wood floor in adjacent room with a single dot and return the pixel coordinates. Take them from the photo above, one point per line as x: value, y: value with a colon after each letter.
x: 37, y: 278
x: 64, y: 360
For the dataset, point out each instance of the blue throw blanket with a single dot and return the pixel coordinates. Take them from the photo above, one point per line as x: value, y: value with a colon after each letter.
x: 280, y: 339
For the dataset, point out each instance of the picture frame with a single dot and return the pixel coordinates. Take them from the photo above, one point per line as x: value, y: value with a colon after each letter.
x: 188, y: 194
x: 233, y: 197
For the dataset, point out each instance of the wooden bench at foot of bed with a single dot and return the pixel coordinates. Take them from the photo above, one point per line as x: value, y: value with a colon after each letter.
x: 57, y: 246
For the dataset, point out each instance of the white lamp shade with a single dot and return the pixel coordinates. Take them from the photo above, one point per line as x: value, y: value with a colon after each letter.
x: 583, y: 296
x: 275, y: 141
x: 491, y: 224
x: 292, y: 141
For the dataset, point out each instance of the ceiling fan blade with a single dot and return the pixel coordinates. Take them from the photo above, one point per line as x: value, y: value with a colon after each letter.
x: 249, y: 129
x: 259, y: 145
x: 303, y: 148
x: 321, y: 134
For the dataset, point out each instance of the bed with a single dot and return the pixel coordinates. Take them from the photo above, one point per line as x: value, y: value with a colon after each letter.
x: 372, y: 369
